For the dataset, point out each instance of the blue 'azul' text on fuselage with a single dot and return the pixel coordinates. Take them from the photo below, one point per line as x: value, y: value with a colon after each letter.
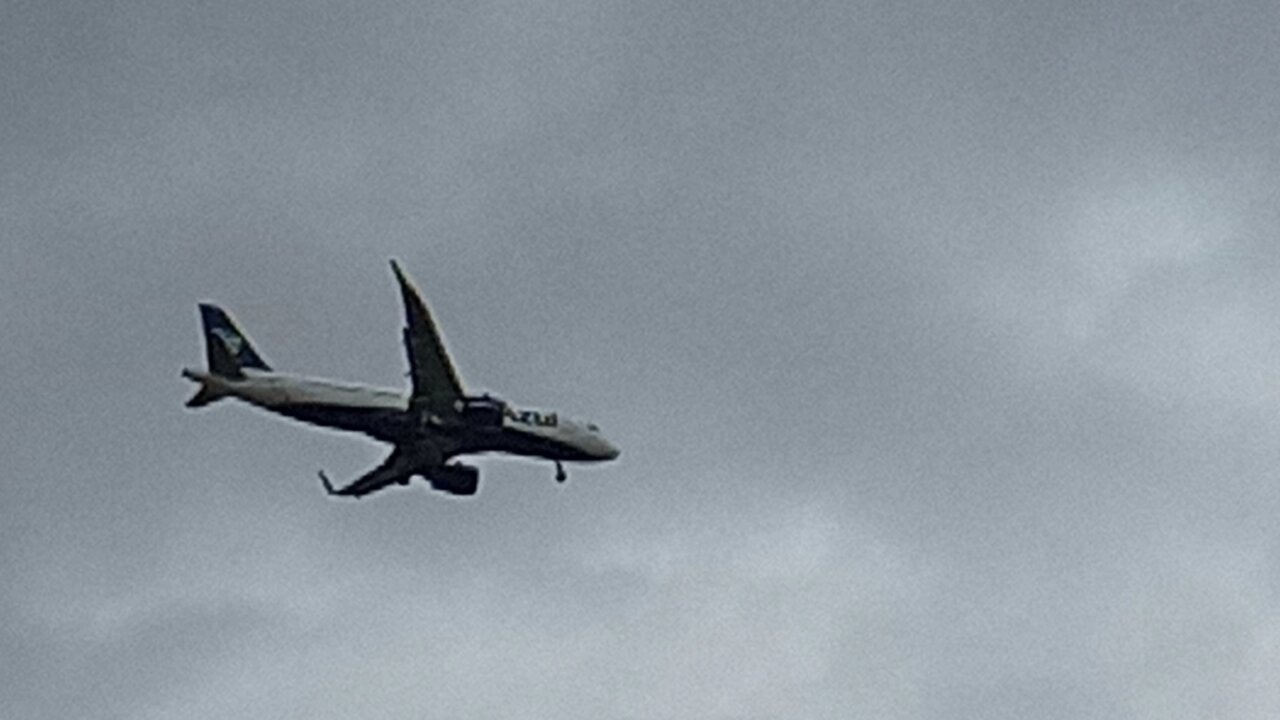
x: 532, y: 417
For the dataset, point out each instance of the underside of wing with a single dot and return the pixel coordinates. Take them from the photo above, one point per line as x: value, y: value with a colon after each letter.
x: 435, y: 381
x: 397, y: 469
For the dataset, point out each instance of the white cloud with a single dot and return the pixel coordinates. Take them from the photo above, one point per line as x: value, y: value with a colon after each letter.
x: 1196, y: 633
x: 748, y: 616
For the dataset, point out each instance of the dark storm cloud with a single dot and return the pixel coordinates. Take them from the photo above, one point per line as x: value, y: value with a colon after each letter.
x: 937, y: 339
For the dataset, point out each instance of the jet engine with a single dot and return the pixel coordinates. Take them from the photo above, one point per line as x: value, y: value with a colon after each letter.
x: 455, y: 479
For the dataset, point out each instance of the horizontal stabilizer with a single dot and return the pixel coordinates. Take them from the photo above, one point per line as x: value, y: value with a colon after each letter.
x: 204, y: 396
x: 211, y: 389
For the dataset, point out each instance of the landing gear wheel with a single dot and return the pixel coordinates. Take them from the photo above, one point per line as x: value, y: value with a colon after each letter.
x: 561, y: 475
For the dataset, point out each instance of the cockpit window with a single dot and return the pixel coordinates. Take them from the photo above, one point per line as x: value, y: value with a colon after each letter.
x: 592, y: 427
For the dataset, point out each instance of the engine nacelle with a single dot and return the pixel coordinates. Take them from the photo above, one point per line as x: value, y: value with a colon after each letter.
x: 455, y: 479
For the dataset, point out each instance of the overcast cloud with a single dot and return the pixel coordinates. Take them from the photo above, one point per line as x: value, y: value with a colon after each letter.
x: 940, y: 340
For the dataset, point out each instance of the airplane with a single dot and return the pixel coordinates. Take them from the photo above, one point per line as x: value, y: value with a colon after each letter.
x: 435, y: 422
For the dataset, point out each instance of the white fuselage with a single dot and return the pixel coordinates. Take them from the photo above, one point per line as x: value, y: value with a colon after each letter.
x: 384, y: 414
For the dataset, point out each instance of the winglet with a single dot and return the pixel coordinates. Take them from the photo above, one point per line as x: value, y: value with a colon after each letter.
x: 407, y: 286
x: 400, y: 276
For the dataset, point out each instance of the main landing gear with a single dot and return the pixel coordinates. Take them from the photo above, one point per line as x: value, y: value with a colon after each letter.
x: 561, y: 475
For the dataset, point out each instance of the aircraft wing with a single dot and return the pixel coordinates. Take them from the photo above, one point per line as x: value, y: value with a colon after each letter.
x: 435, y: 381
x: 398, y: 468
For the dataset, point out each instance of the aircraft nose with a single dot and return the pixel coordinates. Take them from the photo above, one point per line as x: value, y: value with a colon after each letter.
x: 611, y: 451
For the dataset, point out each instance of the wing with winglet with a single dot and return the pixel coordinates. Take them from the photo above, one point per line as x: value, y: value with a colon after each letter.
x: 436, y: 386
x: 398, y: 468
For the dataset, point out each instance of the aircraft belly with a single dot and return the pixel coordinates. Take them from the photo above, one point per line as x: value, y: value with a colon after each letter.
x: 384, y: 424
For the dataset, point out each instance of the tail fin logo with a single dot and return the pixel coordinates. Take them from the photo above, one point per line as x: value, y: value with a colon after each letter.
x: 231, y: 340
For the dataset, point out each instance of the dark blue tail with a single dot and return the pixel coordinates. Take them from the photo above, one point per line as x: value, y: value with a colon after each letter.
x: 227, y: 348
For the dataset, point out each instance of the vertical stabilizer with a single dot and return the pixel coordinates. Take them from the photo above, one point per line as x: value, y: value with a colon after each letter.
x: 227, y: 348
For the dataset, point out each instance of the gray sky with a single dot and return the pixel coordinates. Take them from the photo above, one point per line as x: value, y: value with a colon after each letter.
x: 939, y: 339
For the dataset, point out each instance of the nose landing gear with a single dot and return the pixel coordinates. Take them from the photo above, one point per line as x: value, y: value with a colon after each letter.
x: 561, y: 475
